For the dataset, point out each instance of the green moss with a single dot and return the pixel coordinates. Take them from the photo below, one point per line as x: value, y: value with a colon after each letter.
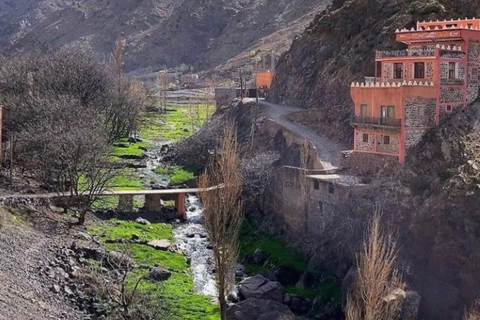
x: 177, y: 174
x: 276, y: 250
x: 126, y: 180
x: 119, y: 229
x: 177, y: 294
x: 176, y: 124
x: 122, y: 148
x: 179, y: 298
x: 330, y: 289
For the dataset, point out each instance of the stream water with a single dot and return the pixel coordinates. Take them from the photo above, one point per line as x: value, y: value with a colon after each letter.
x: 191, y: 236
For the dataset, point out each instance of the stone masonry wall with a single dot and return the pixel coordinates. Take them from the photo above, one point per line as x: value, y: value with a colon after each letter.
x: 392, y: 147
x: 419, y: 112
x: 364, y: 146
x: 429, y: 73
x: 413, y: 137
x: 472, y: 72
x: 451, y: 95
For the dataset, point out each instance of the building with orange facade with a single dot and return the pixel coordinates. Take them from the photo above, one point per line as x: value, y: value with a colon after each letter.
x: 414, y: 89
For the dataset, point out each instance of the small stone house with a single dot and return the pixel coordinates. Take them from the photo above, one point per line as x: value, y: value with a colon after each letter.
x: 414, y: 89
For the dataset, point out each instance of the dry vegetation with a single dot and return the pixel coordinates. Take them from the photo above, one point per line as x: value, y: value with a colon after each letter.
x: 222, y: 210
x: 377, y: 292
x: 62, y: 113
x: 474, y: 312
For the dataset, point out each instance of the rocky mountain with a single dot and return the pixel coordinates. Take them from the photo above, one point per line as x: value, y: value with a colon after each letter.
x: 202, y: 33
x: 338, y: 48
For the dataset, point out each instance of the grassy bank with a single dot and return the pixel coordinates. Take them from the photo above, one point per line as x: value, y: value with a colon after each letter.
x: 177, y: 293
x: 277, y: 254
x: 176, y: 124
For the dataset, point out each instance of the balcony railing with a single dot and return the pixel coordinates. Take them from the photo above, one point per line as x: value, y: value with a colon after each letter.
x: 430, y: 52
x: 376, y: 121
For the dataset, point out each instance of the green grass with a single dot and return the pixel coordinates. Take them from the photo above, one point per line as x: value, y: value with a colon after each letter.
x: 119, y: 229
x: 126, y: 180
x: 176, y: 124
x: 176, y: 294
x: 177, y: 174
x: 122, y: 148
x: 278, y: 253
x: 276, y: 250
x: 331, y: 288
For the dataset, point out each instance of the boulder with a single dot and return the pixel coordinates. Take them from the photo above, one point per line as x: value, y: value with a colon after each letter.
x: 258, y: 287
x: 259, y: 309
x: 142, y: 221
x: 163, y: 245
x: 259, y: 256
x: 159, y: 274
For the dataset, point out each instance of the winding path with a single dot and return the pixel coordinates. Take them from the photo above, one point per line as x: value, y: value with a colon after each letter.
x: 328, y: 151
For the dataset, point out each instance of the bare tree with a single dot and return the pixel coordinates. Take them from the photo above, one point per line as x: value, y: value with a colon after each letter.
x: 378, y: 292
x: 222, y: 210
x: 474, y: 312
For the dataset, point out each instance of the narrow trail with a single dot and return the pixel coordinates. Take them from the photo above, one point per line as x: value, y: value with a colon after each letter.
x: 328, y: 151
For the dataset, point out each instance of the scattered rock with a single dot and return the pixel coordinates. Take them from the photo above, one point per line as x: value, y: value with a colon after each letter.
x: 163, y: 245
x: 135, y: 237
x: 56, y: 288
x: 159, y: 274
x: 118, y: 259
x: 259, y: 256
x: 259, y: 309
x: 142, y: 221
x: 261, y: 288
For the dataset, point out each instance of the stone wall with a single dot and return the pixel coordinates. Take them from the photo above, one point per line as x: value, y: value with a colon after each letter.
x: 451, y: 95
x: 444, y: 70
x: 392, y: 147
x: 413, y: 137
x: 429, y: 71
x: 452, y: 55
x: 419, y: 112
x: 368, y: 163
x: 364, y: 146
x: 472, y: 73
x: 387, y: 71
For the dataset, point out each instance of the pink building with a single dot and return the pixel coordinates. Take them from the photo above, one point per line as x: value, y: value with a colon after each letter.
x: 414, y: 89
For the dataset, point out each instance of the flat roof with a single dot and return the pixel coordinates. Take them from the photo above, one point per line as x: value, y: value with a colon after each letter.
x: 341, y: 179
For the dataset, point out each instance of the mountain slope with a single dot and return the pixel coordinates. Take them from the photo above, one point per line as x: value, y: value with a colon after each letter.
x: 203, y: 33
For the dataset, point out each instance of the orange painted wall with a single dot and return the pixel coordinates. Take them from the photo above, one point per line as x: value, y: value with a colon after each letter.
x: 374, y: 98
x: 264, y: 79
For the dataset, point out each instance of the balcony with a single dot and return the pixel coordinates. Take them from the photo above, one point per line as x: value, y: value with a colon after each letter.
x: 376, y: 122
x: 430, y: 52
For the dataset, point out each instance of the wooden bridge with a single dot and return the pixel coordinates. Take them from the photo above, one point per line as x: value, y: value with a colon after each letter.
x: 153, y: 198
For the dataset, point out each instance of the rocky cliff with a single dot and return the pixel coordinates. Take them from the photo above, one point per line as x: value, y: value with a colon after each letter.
x: 205, y: 33
x: 338, y: 48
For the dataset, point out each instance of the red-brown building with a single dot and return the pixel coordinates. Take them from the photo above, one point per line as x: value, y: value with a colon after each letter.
x: 414, y: 89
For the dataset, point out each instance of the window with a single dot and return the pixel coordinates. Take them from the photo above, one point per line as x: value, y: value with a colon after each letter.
x: 452, y: 70
x: 398, y: 70
x: 316, y: 185
x: 419, y: 70
x: 387, y: 112
x: 475, y: 73
x: 421, y: 111
x: 386, y: 139
x: 320, y: 207
x: 363, y: 110
x: 365, y: 138
x: 379, y: 69
x: 331, y: 188
x: 449, y: 108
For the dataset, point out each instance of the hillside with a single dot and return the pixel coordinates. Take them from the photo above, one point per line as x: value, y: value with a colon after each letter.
x: 204, y: 34
x: 338, y: 48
